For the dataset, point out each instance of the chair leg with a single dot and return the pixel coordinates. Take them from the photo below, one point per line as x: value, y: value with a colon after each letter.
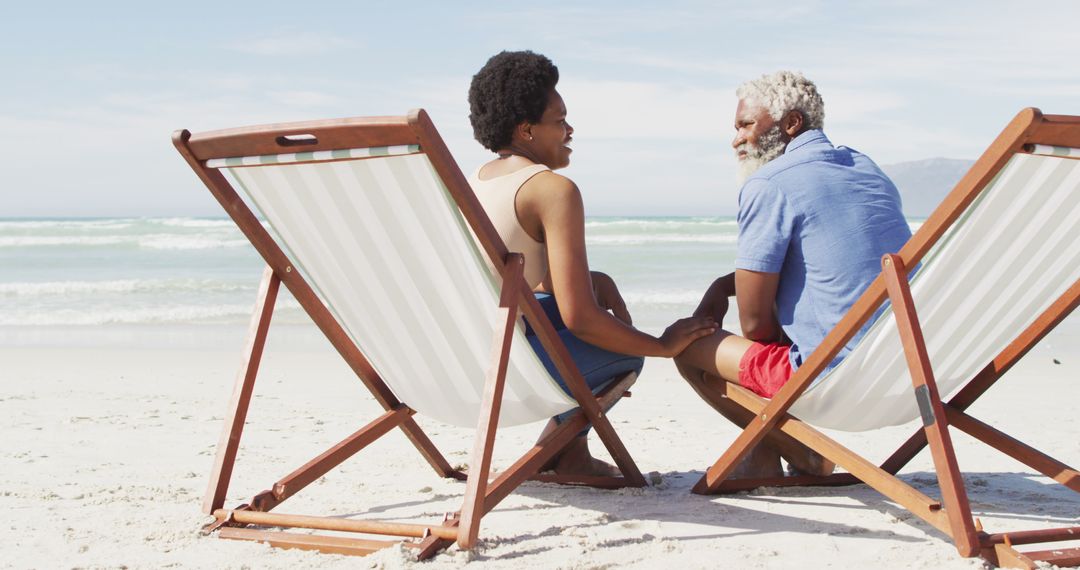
x: 953, y: 493
x: 241, y: 397
x: 428, y: 450
x: 480, y: 462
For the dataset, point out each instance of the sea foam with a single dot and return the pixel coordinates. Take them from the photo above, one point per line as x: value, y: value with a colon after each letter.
x: 155, y: 286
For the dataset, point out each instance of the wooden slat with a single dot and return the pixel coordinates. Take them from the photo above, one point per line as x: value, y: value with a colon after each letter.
x: 332, y: 134
x: 1061, y: 557
x: 322, y: 543
x: 336, y: 524
x: 1009, y: 557
x: 346, y: 448
x: 1057, y: 130
x: 1034, y: 536
x: 834, y: 480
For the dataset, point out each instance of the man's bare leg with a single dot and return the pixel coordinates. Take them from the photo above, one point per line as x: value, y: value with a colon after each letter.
x: 715, y: 359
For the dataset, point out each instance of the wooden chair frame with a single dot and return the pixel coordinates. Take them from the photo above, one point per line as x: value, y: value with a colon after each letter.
x: 951, y: 515
x: 481, y: 496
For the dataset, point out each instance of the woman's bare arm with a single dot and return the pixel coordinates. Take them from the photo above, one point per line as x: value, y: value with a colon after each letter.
x: 554, y: 202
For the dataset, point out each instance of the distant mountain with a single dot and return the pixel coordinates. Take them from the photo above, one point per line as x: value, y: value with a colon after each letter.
x: 924, y: 183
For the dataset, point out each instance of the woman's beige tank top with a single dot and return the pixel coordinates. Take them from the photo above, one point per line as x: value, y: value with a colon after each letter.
x: 497, y: 196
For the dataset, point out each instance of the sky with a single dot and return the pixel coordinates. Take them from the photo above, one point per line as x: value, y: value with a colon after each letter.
x: 94, y: 90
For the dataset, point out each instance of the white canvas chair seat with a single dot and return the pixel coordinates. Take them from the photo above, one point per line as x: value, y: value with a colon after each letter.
x: 381, y: 241
x: 1014, y: 251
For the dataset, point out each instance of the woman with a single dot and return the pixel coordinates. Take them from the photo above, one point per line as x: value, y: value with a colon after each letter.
x: 517, y: 113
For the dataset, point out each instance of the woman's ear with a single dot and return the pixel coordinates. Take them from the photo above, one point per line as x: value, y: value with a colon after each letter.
x: 523, y: 131
x: 792, y: 123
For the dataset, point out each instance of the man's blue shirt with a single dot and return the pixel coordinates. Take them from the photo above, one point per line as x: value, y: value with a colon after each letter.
x: 822, y: 217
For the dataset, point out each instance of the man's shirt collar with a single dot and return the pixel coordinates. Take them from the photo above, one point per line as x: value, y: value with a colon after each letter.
x: 807, y: 137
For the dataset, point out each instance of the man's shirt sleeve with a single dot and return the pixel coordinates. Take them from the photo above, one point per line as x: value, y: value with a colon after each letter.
x: 766, y: 224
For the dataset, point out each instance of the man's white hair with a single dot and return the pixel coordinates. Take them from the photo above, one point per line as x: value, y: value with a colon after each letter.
x: 785, y: 91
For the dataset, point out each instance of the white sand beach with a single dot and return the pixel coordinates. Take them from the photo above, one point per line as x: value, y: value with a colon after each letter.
x: 106, y: 452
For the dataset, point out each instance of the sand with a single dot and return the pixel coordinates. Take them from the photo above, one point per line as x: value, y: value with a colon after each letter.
x: 106, y: 452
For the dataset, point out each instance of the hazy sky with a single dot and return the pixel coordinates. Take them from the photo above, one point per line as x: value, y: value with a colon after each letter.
x: 93, y: 91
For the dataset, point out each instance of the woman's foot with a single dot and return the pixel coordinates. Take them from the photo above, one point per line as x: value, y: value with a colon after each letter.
x: 591, y: 467
x: 575, y: 459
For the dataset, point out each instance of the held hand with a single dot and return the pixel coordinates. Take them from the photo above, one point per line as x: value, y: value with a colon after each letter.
x: 608, y: 296
x: 685, y: 331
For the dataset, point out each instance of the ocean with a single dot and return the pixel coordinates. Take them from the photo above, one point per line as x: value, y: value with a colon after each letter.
x: 186, y: 281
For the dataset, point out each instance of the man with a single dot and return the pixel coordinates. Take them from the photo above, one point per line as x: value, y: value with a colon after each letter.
x: 814, y: 221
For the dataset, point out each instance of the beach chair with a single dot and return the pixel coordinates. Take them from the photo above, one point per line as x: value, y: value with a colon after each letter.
x: 1000, y: 268
x: 381, y: 241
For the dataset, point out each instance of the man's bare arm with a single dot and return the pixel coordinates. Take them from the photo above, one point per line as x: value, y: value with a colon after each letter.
x: 716, y: 299
x: 755, y: 293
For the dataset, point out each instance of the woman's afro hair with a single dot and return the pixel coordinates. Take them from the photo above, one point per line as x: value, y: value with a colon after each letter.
x: 512, y: 87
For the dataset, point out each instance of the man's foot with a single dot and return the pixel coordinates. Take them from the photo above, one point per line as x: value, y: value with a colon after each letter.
x: 809, y: 463
x: 762, y: 462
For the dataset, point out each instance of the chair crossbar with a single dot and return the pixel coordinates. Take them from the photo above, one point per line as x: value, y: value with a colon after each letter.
x: 322, y: 543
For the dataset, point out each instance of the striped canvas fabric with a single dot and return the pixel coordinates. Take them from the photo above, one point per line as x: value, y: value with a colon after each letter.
x: 337, y: 154
x: 1012, y: 253
x: 383, y: 244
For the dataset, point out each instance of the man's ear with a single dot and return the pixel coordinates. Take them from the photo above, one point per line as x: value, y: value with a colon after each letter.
x: 792, y: 123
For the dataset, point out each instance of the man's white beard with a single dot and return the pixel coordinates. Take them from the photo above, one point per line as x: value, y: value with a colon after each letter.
x: 770, y: 145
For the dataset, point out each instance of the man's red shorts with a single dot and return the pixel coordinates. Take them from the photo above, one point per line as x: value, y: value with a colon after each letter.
x: 764, y: 368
